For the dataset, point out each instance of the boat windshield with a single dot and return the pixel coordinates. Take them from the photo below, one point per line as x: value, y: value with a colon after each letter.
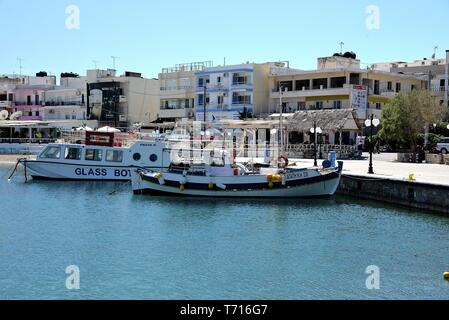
x: 51, y: 152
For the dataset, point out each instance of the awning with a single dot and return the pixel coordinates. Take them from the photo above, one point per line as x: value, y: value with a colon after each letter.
x: 330, y: 120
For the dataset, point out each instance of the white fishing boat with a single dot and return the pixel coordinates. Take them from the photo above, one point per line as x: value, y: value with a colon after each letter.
x: 101, y: 157
x: 219, y: 177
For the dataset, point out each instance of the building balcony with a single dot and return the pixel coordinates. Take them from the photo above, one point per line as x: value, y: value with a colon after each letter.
x: 217, y: 87
x: 6, y: 104
x: 178, y: 88
x: 238, y: 85
x: 346, y: 90
x: 64, y: 103
x: 31, y: 118
x: 438, y: 89
x: 175, y: 113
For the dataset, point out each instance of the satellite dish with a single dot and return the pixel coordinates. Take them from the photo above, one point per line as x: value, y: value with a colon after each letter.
x: 16, y: 115
x: 4, y: 115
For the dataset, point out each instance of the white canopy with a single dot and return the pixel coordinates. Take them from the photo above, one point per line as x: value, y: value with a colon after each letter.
x: 84, y: 129
x: 108, y: 129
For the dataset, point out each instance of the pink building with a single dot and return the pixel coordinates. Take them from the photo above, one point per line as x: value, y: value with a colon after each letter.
x: 30, y: 100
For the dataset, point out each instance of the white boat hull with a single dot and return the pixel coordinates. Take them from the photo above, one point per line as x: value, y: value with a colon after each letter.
x: 62, y: 171
x: 319, y: 185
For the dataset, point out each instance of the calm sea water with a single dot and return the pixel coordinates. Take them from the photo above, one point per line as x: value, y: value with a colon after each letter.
x: 132, y: 247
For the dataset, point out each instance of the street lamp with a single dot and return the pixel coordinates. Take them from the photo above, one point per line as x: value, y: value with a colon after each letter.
x: 315, y: 130
x: 371, y: 123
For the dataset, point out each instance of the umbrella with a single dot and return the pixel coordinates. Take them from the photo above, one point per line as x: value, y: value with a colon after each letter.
x: 108, y: 129
x: 84, y: 129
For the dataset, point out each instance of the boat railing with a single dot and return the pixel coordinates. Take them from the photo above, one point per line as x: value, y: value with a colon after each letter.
x: 27, y: 140
x: 79, y: 137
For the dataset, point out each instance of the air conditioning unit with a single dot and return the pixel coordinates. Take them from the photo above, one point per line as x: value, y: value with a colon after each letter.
x: 78, y: 92
x: 191, y: 114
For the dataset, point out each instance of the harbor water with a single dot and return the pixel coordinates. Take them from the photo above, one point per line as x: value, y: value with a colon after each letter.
x: 134, y: 247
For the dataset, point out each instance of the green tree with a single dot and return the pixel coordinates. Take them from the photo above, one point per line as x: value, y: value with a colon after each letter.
x: 408, y: 115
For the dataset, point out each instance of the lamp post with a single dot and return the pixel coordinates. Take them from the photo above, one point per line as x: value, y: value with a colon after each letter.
x: 371, y: 123
x: 315, y: 130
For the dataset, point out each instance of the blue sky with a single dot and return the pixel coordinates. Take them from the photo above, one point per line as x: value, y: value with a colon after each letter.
x: 149, y: 35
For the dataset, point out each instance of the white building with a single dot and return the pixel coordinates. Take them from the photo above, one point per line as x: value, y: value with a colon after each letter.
x: 234, y: 92
x: 68, y: 100
x: 178, y: 89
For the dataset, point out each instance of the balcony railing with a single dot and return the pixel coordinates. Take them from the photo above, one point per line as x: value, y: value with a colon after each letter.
x: 64, y: 103
x: 244, y: 83
x: 438, y: 89
x: 176, y: 88
x: 177, y: 107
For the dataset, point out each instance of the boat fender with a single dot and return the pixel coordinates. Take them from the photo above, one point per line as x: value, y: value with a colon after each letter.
x: 446, y: 276
x: 211, y: 186
x: 182, y: 188
x: 270, y: 185
x: 157, y: 175
x: 221, y: 186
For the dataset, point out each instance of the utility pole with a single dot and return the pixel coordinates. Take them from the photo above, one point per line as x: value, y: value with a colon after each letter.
x: 114, y: 58
x: 95, y: 63
x: 341, y: 47
x: 20, y: 60
x: 435, y: 48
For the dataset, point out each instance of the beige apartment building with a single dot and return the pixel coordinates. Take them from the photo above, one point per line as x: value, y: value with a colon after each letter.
x: 333, y: 86
x: 177, y: 91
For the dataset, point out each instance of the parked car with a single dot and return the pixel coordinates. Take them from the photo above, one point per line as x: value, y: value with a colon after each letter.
x: 443, y: 146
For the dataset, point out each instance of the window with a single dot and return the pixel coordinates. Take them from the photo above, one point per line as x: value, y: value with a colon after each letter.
x: 219, y: 79
x: 200, y: 99
x: 337, y: 104
x: 390, y: 86
x: 220, y: 100
x: 338, y: 82
x: 51, y: 153
x: 37, y: 113
x: 378, y: 106
x: 200, y: 82
x: 302, y: 85
x: 319, y: 105
x: 319, y: 83
x: 413, y: 87
x: 72, y: 153
x: 114, y: 156
x: 10, y: 97
x: 94, y: 154
x: 376, y: 87
x: 153, y: 158
x: 398, y: 87
x: 137, y: 156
